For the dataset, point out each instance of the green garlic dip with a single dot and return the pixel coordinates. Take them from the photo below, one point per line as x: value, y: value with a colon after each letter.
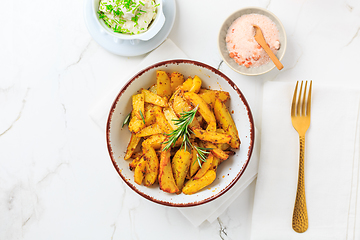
x: 128, y: 16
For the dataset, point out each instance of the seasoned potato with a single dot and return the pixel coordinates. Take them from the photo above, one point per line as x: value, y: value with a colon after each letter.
x: 196, y: 85
x: 134, y: 140
x: 204, y: 109
x: 163, y: 88
x: 176, y: 79
x: 216, y: 151
x: 166, y: 177
x: 209, y: 96
x: 192, y: 186
x: 153, y: 98
x: 152, y: 168
x: 140, y: 171
x: 161, y: 120
x: 170, y: 117
x: 155, y: 141
x: 187, y: 84
x: 213, y: 137
x: 153, y: 128
x: 226, y: 122
x: 149, y: 130
x: 205, y: 167
x: 180, y: 167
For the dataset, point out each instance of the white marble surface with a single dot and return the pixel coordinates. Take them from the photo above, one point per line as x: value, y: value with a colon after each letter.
x: 56, y: 179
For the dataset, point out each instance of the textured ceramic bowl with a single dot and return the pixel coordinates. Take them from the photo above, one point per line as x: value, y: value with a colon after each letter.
x: 154, y: 28
x: 228, y: 173
x: 231, y: 62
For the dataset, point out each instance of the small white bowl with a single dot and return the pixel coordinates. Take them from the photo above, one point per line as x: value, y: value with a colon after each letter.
x: 228, y: 172
x: 154, y: 28
x: 252, y: 71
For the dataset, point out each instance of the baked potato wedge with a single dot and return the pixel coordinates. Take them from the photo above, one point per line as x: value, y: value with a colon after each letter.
x: 134, y: 140
x: 152, y: 168
x: 166, y: 177
x: 192, y: 186
x: 226, y: 122
x: 176, y: 79
x: 153, y: 98
x: 180, y: 166
x: 163, y: 88
x: 140, y: 171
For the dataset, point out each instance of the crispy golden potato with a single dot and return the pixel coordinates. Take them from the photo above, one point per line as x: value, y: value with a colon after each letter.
x: 153, y: 98
x: 195, y: 88
x: 134, y: 163
x: 215, y: 163
x: 180, y: 166
x: 163, y: 84
x: 192, y: 186
x: 170, y: 116
x: 152, y: 118
x: 194, y: 165
x: 149, y: 114
x: 153, y: 89
x: 134, y: 140
x: 176, y: 79
x: 166, y: 177
x: 204, y: 167
x: 216, y: 151
x: 226, y: 122
x: 209, y: 136
x: 152, y: 168
x: 209, y: 96
x: 186, y: 86
x: 140, y: 171
x: 149, y: 130
x: 181, y: 105
x: 161, y: 120
x: 138, y: 102
x: 204, y: 109
x: 155, y: 141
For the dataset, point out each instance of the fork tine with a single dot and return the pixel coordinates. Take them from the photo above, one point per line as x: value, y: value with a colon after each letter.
x: 299, y: 100
x: 294, y: 100
x: 304, y: 100
x: 308, y: 107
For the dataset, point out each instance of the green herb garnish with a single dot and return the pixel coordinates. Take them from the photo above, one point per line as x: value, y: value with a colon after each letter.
x: 127, y: 120
x: 142, y: 116
x: 184, y: 132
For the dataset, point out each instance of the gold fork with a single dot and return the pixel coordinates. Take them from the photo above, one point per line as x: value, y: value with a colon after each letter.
x: 300, y: 118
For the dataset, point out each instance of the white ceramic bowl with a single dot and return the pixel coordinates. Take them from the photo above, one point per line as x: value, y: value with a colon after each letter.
x: 225, y: 54
x: 154, y: 28
x: 228, y: 173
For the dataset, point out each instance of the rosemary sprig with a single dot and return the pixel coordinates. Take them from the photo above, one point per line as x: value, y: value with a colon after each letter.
x: 184, y: 132
x: 142, y: 116
x: 126, y: 120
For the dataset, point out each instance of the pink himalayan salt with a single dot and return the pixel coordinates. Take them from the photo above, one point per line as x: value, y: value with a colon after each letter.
x: 242, y: 45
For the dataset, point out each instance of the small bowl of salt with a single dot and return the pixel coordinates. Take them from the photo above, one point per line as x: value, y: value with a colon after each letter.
x: 238, y: 47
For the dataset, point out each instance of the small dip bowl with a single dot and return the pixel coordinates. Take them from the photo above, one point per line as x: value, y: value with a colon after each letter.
x: 251, y: 71
x: 154, y: 28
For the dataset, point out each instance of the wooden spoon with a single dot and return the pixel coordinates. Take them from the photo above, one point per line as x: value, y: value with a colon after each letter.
x: 260, y: 39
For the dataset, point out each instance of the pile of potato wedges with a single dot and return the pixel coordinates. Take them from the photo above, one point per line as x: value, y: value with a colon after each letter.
x: 178, y: 169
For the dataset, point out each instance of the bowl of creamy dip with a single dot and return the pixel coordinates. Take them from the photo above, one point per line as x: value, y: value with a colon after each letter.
x: 238, y: 47
x: 132, y: 20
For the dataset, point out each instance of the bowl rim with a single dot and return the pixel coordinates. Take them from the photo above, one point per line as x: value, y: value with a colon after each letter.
x: 284, y: 45
x: 231, y: 83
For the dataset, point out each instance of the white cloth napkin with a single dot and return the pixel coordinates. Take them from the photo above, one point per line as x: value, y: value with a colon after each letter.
x: 331, y: 165
x: 209, y: 211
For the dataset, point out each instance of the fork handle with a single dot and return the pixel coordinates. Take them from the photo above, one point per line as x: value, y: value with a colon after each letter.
x: 300, y: 217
